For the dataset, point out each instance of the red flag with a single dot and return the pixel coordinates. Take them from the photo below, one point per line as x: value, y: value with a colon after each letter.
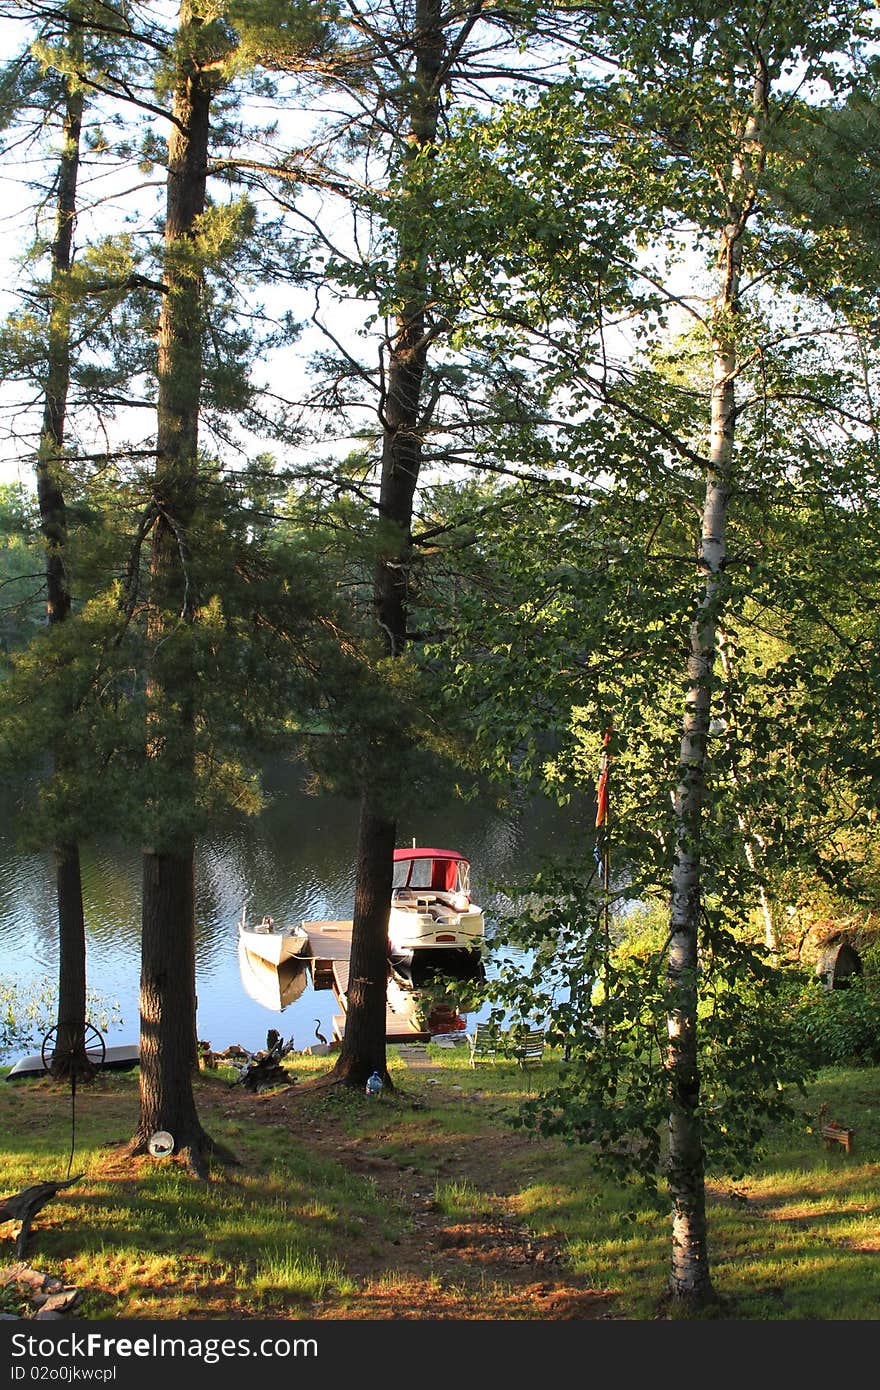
x: 602, y: 797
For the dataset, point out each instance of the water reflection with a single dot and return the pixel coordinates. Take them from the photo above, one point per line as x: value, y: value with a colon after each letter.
x: 294, y: 862
x: 426, y: 988
x: 274, y: 987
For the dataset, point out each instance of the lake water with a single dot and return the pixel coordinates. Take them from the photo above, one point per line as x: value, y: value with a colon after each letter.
x: 295, y: 862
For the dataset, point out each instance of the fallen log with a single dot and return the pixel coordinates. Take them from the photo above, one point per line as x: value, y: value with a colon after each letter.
x: 23, y: 1206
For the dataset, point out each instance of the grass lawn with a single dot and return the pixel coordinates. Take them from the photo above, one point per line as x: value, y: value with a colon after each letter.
x: 424, y: 1204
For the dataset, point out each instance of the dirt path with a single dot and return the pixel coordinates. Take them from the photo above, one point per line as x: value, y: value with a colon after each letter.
x: 489, y: 1266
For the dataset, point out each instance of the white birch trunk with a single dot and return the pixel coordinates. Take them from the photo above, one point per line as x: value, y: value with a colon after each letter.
x: 690, y: 1276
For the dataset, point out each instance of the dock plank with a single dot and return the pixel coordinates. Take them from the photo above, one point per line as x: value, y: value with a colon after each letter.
x: 328, y: 940
x: 399, y: 1026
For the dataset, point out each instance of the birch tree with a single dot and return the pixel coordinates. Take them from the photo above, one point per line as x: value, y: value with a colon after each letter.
x: 696, y: 102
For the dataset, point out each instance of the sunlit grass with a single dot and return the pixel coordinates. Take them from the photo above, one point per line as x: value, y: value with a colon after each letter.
x: 461, y: 1199
x: 203, y: 1241
x: 795, y: 1238
x: 288, y: 1274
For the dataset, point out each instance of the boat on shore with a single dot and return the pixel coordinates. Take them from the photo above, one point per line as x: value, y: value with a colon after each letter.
x: 431, y: 907
x: 122, y: 1058
x: 275, y: 945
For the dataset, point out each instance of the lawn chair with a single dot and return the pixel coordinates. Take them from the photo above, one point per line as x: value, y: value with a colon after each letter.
x: 490, y: 1041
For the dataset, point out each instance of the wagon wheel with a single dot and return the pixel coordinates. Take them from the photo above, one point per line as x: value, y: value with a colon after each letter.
x: 95, y: 1047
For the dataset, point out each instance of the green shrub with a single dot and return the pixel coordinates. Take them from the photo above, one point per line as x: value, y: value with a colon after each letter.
x: 841, y: 1025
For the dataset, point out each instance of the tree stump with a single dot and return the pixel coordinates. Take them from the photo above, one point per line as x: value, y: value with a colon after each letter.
x: 265, y: 1069
x: 23, y: 1206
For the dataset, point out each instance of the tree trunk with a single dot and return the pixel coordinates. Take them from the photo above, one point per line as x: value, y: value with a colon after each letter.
x: 690, y: 1280
x: 168, y: 1003
x: 169, y: 1051
x: 50, y: 495
x: 168, y: 1012
x: 69, y: 1053
x: 363, y: 1046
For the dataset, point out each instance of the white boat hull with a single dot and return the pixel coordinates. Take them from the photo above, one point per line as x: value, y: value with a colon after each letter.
x: 275, y: 947
x: 115, y: 1059
x: 422, y: 920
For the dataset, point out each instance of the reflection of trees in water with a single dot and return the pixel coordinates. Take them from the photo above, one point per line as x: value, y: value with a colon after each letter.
x: 111, y: 874
x: 28, y: 910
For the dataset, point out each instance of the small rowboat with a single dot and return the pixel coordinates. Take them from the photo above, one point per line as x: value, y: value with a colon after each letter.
x: 273, y: 944
x: 112, y: 1059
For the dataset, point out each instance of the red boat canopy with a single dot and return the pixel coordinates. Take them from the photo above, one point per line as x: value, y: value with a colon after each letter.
x: 420, y: 853
x: 444, y: 867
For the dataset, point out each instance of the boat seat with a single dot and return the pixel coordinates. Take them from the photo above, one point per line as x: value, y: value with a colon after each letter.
x: 412, y: 899
x: 457, y: 902
x: 442, y: 914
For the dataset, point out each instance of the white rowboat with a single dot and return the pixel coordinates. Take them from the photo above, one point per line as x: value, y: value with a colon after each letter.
x: 271, y: 943
x: 273, y: 986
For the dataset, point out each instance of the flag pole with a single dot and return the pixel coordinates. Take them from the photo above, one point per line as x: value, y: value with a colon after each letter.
x: 603, y: 849
x: 603, y: 818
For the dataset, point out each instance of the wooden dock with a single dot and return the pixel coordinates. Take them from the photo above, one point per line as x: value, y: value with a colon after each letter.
x: 328, y: 942
x: 328, y: 959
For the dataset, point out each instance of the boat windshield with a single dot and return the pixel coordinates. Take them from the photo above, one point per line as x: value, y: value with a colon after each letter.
x: 443, y: 875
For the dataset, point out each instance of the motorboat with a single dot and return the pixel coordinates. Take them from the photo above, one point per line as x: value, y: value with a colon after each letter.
x: 271, y: 943
x: 431, y: 908
x: 273, y: 986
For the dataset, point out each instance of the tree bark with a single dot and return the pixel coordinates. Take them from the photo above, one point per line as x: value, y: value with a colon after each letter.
x: 69, y: 1056
x: 168, y: 1001
x: 363, y: 1045
x: 168, y: 1048
x: 690, y: 1279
